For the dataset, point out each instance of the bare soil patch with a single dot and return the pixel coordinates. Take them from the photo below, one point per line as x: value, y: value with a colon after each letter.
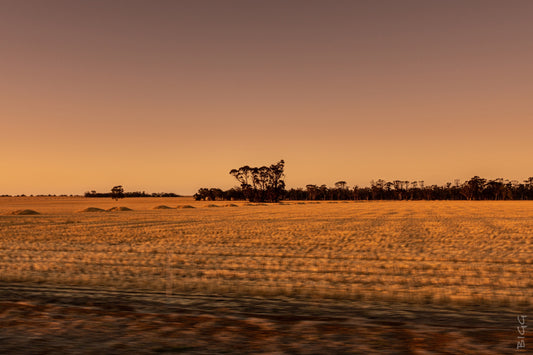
x: 119, y: 209
x: 92, y: 209
x: 162, y: 207
x: 26, y: 212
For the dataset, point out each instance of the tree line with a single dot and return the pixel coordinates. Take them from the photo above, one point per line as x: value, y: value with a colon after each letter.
x: 476, y: 188
x: 117, y: 192
x: 266, y: 184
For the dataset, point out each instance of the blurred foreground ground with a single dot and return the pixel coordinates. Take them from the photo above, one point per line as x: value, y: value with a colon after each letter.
x: 45, y: 320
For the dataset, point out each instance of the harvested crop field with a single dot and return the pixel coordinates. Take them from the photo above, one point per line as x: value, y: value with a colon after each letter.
x: 457, y: 255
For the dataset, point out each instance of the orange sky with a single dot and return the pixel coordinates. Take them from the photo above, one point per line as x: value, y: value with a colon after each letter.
x: 171, y: 95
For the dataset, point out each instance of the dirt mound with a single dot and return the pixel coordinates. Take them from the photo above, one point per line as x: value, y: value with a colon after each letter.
x: 24, y: 212
x: 231, y: 205
x: 162, y: 207
x: 92, y: 209
x: 113, y: 209
x: 212, y: 206
x: 185, y: 206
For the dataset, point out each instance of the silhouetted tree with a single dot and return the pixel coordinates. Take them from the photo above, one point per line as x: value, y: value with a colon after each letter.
x: 261, y: 184
x: 312, y: 192
x: 117, y: 192
x: 472, y: 188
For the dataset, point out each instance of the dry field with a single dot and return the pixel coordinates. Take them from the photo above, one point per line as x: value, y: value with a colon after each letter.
x: 423, y: 254
x: 465, y: 252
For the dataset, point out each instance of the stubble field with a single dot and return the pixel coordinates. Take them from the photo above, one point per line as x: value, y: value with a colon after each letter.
x: 409, y: 251
x: 424, y: 254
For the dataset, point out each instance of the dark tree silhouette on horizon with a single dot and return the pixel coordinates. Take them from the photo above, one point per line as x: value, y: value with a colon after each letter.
x: 117, y: 192
x: 267, y: 184
x: 263, y: 184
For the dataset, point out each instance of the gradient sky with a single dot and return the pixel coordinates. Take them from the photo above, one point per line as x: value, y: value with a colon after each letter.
x: 171, y: 95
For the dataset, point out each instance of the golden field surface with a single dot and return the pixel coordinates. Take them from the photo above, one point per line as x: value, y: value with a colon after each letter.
x: 238, y: 278
x: 429, y: 252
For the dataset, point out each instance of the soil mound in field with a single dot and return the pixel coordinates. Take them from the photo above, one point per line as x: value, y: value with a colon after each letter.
x: 162, y: 207
x: 231, y: 205
x: 24, y: 212
x: 213, y: 206
x: 92, y: 209
x: 185, y: 206
x: 113, y: 209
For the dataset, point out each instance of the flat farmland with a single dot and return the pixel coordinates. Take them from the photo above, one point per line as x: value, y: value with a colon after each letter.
x: 373, y: 275
x: 431, y: 252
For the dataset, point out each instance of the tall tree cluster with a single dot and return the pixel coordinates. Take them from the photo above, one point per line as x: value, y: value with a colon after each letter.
x: 261, y: 184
